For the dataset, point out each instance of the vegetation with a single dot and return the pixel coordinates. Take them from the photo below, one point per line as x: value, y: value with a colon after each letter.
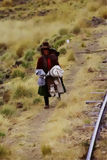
x: 18, y: 73
x: 63, y: 51
x: 22, y: 91
x: 71, y: 56
x: 7, y: 110
x: 63, y: 31
x: 46, y: 150
x: 4, y: 151
x: 2, y: 134
x: 36, y: 101
x: 103, y: 12
x: 59, y: 43
x: 29, y: 55
x: 7, y: 3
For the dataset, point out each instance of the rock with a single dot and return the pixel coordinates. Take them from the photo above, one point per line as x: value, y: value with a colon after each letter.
x: 10, y: 129
x: 43, y: 12
x: 19, y: 105
x: 90, y: 69
x: 105, y: 61
x: 97, y: 20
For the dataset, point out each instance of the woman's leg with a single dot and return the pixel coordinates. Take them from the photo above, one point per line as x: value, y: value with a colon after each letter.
x: 46, y: 99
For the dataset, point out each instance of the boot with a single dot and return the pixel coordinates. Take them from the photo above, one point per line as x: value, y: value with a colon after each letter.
x: 46, y: 107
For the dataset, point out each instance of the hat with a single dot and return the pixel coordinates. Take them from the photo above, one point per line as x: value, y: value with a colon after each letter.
x: 45, y: 45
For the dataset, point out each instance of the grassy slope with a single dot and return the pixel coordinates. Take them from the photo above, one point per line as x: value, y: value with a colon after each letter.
x: 28, y: 35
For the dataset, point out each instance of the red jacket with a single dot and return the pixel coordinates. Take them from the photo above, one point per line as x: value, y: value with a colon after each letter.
x: 47, y: 62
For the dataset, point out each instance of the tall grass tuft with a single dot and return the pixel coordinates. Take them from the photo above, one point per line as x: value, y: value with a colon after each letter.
x: 7, y: 3
x: 46, y: 150
x: 63, y: 51
x: 29, y: 55
x: 71, y: 56
x: 20, y: 51
x: 18, y: 73
x: 8, y: 110
x: 63, y: 31
x: 76, y: 29
x: 4, y: 151
x: 22, y: 91
x: 103, y: 12
x: 37, y: 101
x: 93, y: 6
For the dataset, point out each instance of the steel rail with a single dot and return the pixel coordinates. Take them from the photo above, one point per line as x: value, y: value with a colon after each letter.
x: 93, y: 139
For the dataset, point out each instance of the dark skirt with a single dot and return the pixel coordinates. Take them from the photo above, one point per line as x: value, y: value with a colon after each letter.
x: 43, y: 90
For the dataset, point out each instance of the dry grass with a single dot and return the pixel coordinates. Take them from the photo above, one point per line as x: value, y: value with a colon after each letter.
x: 7, y: 3
x: 4, y: 123
x: 26, y: 33
x: 4, y: 151
x: 103, y: 12
x: 71, y: 56
x: 93, y: 6
x: 103, y: 42
x: 46, y: 150
x: 103, y: 2
x: 8, y: 110
x: 68, y: 115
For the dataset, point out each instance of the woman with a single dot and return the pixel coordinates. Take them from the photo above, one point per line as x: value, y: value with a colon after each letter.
x: 46, y: 62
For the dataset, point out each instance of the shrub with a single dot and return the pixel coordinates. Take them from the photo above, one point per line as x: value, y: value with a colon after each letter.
x: 2, y: 134
x: 3, y: 151
x: 1, y: 75
x: 1, y: 102
x: 20, y: 51
x: 26, y: 64
x: 82, y: 23
x: 59, y: 43
x: 62, y: 51
x: 93, y: 6
x: 76, y: 29
x: 71, y: 57
x: 8, y: 110
x: 46, y: 150
x: 83, y: 45
x: 36, y: 101
x: 103, y: 12
x: 29, y: 55
x: 22, y: 91
x: 7, y: 3
x: 63, y: 31
x: 103, y: 2
x: 18, y: 73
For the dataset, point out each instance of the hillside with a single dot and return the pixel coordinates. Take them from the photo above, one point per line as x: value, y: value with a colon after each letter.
x: 27, y: 131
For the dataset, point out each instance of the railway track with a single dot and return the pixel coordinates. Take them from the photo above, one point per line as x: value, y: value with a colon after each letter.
x: 97, y: 128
